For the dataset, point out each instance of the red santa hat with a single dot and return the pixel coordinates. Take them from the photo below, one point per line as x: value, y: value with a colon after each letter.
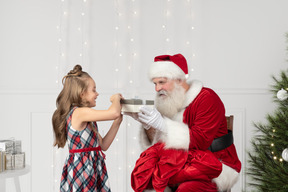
x: 170, y: 66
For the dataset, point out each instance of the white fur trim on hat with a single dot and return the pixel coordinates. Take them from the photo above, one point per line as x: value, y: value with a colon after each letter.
x: 176, y: 136
x: 227, y: 178
x: 166, y: 69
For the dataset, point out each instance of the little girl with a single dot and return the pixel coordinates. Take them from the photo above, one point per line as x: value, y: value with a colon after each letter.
x: 75, y: 120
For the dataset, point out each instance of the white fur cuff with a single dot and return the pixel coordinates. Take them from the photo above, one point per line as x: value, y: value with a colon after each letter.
x: 227, y: 178
x: 176, y: 136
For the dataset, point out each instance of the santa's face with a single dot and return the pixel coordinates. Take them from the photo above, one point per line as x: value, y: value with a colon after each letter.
x: 170, y: 96
x: 163, y: 85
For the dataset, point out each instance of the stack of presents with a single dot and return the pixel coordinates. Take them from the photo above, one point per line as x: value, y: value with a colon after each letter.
x: 11, y: 155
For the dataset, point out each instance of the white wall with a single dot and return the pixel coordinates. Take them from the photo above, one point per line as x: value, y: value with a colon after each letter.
x: 232, y: 46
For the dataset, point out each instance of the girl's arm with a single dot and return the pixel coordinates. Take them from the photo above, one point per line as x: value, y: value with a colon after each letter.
x: 106, y: 141
x: 87, y: 114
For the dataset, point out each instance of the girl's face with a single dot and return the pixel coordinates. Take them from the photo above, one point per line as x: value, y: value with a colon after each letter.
x: 90, y: 95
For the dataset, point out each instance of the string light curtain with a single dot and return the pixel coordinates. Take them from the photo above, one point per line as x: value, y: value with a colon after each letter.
x: 114, y: 42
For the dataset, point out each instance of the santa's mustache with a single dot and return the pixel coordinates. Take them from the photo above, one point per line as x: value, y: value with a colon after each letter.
x: 162, y: 92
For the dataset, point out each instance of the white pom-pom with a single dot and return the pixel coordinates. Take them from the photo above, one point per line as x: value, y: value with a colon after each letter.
x: 285, y: 154
x: 282, y: 94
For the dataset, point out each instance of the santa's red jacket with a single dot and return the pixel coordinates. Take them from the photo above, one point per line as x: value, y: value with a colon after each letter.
x: 193, y: 129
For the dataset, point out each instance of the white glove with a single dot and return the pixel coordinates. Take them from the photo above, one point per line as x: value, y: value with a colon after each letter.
x: 152, y: 118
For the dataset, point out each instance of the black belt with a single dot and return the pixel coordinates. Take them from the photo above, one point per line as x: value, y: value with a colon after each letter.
x: 221, y: 143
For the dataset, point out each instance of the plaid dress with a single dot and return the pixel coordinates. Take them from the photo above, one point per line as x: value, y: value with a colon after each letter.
x: 84, y: 168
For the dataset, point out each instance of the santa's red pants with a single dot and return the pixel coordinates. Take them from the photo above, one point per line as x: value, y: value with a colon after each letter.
x: 158, y: 167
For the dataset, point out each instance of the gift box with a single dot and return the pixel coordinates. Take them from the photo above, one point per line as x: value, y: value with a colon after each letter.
x: 7, y: 146
x: 10, y: 146
x: 19, y: 160
x: 2, y: 161
x: 17, y: 147
x: 15, y: 161
x: 11, y: 155
x: 9, y: 161
x: 134, y: 105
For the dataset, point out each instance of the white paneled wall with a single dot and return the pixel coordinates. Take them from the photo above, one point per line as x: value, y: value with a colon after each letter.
x: 232, y: 46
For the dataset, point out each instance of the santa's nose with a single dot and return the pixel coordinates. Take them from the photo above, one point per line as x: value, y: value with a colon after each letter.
x: 158, y: 88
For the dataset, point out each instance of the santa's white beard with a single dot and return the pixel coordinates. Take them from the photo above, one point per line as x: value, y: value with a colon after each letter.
x: 172, y: 102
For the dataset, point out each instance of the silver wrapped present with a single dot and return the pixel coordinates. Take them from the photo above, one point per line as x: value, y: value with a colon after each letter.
x: 19, y: 160
x: 134, y: 105
x: 17, y: 148
x: 2, y: 161
x: 7, y: 146
x: 9, y: 161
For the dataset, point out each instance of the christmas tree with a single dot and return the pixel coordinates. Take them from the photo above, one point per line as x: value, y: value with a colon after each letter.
x: 268, y: 160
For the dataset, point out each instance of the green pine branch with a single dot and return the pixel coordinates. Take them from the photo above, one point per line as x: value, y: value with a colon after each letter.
x: 267, y: 170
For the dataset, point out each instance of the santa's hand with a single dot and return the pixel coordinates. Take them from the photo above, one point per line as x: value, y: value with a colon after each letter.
x: 152, y: 118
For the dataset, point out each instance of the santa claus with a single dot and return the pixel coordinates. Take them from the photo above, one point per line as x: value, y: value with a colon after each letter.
x: 180, y: 132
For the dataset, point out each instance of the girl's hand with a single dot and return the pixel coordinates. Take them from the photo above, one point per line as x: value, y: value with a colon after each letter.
x: 116, y: 97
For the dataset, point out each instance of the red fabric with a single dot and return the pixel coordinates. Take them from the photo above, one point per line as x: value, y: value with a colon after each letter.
x: 205, y: 117
x: 206, y: 120
x: 155, y: 166
x: 197, y: 186
x: 88, y: 149
x: 178, y: 59
x: 201, y: 166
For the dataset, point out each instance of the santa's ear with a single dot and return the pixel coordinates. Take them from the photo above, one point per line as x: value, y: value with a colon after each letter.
x: 180, y: 81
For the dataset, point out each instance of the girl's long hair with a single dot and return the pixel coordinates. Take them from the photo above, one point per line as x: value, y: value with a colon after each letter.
x: 74, y: 84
